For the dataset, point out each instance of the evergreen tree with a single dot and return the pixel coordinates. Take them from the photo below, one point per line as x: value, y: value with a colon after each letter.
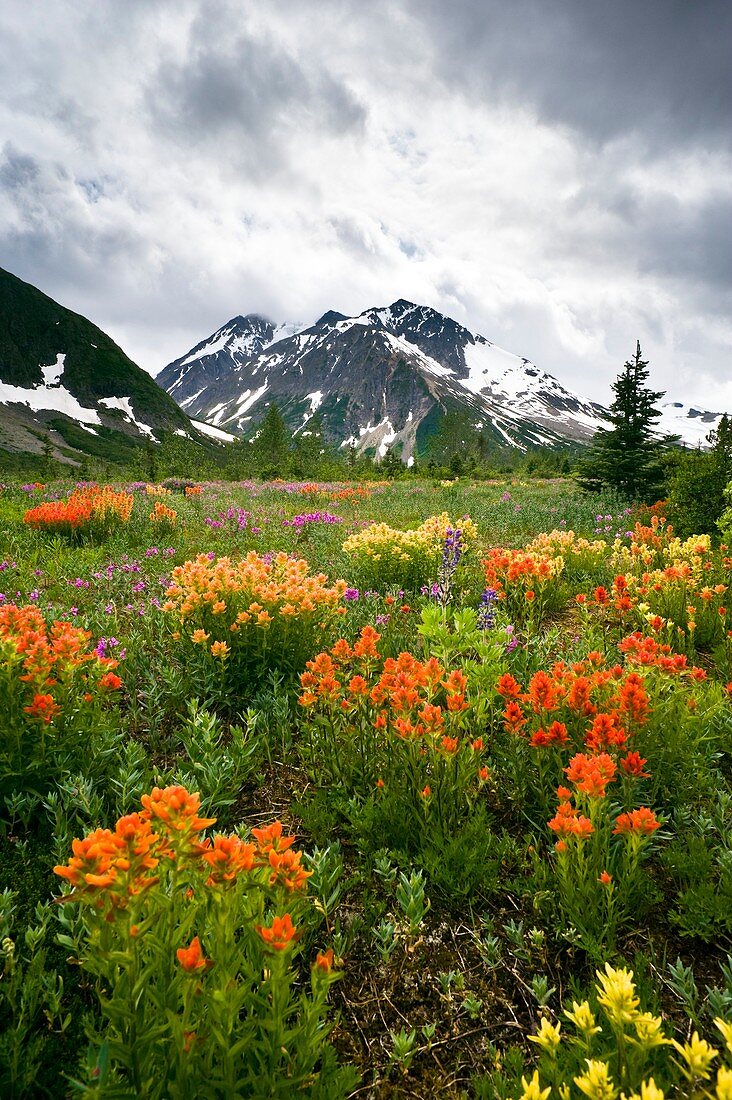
x: 272, y: 444
x: 627, y: 456
x: 455, y: 435
x: 310, y: 448
x: 698, y: 482
x: 391, y: 465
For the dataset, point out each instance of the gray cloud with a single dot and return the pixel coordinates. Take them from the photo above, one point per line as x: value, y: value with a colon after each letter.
x: 251, y: 93
x: 657, y: 67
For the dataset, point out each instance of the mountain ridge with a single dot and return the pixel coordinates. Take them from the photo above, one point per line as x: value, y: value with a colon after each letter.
x: 385, y: 378
x: 380, y: 378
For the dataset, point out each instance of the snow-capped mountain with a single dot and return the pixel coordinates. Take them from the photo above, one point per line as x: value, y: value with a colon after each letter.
x: 66, y: 385
x: 691, y: 424
x: 382, y: 378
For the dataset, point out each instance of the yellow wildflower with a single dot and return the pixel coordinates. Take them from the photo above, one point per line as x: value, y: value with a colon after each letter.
x: 649, y: 1091
x: 533, y: 1090
x: 697, y: 1054
x: 724, y: 1084
x: 583, y: 1018
x: 596, y: 1082
x: 726, y: 1029
x: 616, y: 994
x: 648, y: 1029
x: 547, y: 1037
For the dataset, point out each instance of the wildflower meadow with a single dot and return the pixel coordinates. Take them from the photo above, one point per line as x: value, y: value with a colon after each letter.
x: 363, y: 790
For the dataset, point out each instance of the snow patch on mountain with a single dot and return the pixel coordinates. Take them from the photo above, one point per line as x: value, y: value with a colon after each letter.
x: 191, y: 399
x: 214, y: 433
x: 688, y: 421
x: 124, y: 406
x: 53, y: 398
x: 52, y: 374
x: 249, y: 398
x: 217, y: 343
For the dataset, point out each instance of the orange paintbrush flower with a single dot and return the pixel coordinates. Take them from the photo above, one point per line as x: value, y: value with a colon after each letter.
x: 191, y: 958
x: 642, y: 821
x: 280, y: 934
x: 176, y: 808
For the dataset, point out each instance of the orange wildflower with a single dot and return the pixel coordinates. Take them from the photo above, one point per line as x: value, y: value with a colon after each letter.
x: 280, y: 934
x: 92, y: 863
x: 176, y: 808
x: 342, y: 650
x: 642, y: 821
x: 605, y: 732
x: 366, y: 644
x: 456, y: 703
x: 579, y: 697
x: 514, y: 718
x: 542, y: 693
x: 568, y: 821
x: 286, y: 870
x: 43, y: 706
x: 324, y: 961
x: 591, y: 774
x: 227, y: 856
x: 270, y: 838
x: 508, y: 687
x: 191, y: 958
x: 633, y: 764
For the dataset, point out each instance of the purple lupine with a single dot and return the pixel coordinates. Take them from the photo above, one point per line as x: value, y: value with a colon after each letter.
x: 451, y: 553
x: 487, y: 609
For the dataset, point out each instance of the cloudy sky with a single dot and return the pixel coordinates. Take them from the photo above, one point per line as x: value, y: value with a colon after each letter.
x: 555, y: 174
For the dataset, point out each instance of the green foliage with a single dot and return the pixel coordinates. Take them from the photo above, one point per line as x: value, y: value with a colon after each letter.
x: 626, y: 457
x: 34, y: 1013
x: 216, y: 762
x: 697, y: 482
x: 272, y: 444
x: 725, y: 520
x: 700, y: 862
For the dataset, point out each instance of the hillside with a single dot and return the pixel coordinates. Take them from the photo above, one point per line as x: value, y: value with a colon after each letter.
x: 66, y: 385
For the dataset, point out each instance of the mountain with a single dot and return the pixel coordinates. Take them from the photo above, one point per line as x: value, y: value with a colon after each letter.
x: 691, y: 424
x: 383, y: 378
x: 65, y: 384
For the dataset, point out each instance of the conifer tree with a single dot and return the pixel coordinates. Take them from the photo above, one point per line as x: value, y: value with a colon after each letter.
x: 272, y: 444
x: 698, y: 483
x: 627, y: 456
x: 309, y: 447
